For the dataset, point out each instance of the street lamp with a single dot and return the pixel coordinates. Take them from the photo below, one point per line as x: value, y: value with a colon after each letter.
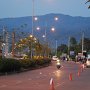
x: 32, y: 16
x: 52, y: 29
x: 32, y: 24
x: 35, y: 18
x: 56, y: 18
x: 3, y: 44
x: 45, y: 33
x: 82, y: 42
x: 38, y: 28
x: 56, y: 47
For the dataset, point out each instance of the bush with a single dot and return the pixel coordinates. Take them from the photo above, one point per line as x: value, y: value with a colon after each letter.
x: 0, y: 57
x: 27, y: 63
x: 44, y: 61
x: 9, y: 65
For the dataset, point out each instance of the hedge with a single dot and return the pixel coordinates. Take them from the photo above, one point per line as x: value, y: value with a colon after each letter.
x: 12, y: 65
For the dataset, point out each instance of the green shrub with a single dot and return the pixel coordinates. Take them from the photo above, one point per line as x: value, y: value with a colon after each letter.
x: 27, y: 63
x: 0, y: 57
x: 9, y: 65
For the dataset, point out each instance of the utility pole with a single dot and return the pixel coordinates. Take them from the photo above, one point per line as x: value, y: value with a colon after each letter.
x: 68, y: 46
x: 3, y: 43
x: 31, y: 54
x: 56, y: 47
x: 82, y: 42
x: 32, y: 16
x: 6, y: 45
x: 13, y: 42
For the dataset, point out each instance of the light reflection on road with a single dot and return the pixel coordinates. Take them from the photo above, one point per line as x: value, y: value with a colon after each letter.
x: 58, y: 74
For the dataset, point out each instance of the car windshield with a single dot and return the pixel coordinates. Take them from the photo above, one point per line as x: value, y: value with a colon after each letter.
x: 54, y: 56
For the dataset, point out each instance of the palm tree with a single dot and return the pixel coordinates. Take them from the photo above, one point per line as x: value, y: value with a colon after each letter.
x: 88, y: 2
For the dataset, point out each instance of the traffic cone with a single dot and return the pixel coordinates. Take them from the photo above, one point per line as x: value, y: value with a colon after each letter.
x: 70, y: 76
x: 52, y: 84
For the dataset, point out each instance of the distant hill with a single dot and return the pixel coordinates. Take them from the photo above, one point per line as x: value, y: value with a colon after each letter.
x: 65, y: 27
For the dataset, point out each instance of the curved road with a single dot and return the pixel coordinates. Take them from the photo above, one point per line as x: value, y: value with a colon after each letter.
x: 40, y: 79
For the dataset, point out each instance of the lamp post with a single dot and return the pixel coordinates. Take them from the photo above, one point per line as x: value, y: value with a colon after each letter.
x: 56, y: 48
x: 13, y: 43
x: 45, y: 34
x: 32, y: 26
x: 32, y: 16
x: 53, y: 29
x: 82, y: 42
x: 3, y: 44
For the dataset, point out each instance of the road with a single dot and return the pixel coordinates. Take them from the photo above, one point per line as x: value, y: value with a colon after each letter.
x: 40, y: 79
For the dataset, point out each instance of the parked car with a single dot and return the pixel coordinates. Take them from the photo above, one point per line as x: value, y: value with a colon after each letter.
x: 88, y: 62
x: 55, y: 58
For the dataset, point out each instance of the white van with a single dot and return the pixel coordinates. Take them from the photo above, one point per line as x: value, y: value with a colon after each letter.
x: 88, y: 61
x: 55, y: 58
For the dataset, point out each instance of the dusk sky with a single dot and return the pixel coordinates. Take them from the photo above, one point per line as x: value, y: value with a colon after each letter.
x: 21, y: 8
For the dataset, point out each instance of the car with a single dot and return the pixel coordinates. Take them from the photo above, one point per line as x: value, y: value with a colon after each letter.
x: 88, y: 62
x: 55, y: 58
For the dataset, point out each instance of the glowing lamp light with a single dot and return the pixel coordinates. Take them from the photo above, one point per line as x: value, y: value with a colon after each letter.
x: 43, y: 36
x: 31, y: 36
x: 53, y: 29
x: 56, y: 18
x: 38, y: 28
x: 35, y: 18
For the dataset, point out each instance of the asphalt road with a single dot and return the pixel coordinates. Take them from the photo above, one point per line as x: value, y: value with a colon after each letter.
x: 40, y: 79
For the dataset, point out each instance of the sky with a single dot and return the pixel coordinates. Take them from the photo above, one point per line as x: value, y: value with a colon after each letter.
x: 22, y: 8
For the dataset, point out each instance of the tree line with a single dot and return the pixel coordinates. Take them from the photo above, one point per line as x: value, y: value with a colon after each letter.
x: 75, y: 46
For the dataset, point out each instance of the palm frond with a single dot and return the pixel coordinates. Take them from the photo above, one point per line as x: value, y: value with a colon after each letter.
x: 87, y: 1
x: 88, y: 7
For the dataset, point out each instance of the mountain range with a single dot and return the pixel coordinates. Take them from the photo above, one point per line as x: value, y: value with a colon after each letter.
x: 66, y: 26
